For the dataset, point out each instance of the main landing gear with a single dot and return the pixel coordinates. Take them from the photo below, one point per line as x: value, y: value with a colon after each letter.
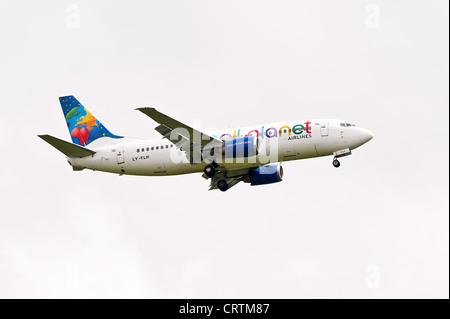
x: 210, y: 170
x: 222, y: 185
x: 336, y: 163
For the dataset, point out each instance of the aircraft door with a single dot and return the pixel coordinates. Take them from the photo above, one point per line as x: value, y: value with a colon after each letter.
x: 120, y: 156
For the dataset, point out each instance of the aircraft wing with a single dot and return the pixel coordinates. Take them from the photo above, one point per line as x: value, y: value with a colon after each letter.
x: 183, y: 136
x: 231, y: 181
x: 232, y: 177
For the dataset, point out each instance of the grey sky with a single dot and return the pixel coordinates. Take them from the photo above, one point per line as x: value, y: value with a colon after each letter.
x: 376, y: 227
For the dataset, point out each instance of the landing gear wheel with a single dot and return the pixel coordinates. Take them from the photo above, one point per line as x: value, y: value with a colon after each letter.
x: 209, y: 170
x: 336, y: 163
x: 222, y: 185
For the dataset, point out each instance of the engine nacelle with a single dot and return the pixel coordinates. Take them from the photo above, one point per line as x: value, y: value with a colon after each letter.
x: 239, y: 147
x: 267, y: 174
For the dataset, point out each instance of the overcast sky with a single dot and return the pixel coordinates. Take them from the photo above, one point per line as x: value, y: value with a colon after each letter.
x: 377, y: 227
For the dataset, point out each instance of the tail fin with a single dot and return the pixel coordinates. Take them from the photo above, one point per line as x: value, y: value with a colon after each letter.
x: 83, y: 126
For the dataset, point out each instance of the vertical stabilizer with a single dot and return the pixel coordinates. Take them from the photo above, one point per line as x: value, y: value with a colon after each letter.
x: 83, y: 126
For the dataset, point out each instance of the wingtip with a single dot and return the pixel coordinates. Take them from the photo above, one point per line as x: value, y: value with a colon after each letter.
x: 144, y: 108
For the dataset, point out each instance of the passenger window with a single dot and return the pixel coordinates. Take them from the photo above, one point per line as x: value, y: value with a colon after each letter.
x: 138, y: 150
x: 167, y: 146
x: 153, y: 148
x: 171, y: 145
x: 148, y: 149
x: 157, y: 147
x: 162, y: 146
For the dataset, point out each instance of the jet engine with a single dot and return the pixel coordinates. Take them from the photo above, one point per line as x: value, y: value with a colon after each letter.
x: 267, y: 174
x: 239, y: 147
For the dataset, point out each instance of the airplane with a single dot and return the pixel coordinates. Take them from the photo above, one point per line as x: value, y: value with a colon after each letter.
x: 226, y: 157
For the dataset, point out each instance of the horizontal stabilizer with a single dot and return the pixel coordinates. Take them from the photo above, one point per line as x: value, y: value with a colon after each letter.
x: 68, y: 149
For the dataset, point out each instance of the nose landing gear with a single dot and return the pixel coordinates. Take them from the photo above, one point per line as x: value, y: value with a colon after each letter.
x: 336, y: 163
x: 341, y: 153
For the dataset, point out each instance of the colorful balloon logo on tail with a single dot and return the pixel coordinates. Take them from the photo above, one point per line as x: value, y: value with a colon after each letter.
x: 83, y: 125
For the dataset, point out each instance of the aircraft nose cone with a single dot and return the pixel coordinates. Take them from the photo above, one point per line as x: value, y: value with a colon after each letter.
x: 366, y: 136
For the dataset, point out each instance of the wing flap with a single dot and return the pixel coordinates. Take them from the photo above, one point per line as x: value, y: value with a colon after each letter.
x: 230, y: 181
x: 232, y: 177
x: 163, y: 130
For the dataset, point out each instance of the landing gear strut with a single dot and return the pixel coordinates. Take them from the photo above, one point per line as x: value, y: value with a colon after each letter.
x: 222, y: 185
x: 341, y: 153
x: 336, y: 163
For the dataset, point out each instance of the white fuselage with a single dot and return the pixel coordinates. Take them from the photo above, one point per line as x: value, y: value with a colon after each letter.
x: 293, y: 140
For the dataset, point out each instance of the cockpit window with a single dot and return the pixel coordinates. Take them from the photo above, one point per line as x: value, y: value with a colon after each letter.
x: 343, y: 124
x: 349, y: 124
